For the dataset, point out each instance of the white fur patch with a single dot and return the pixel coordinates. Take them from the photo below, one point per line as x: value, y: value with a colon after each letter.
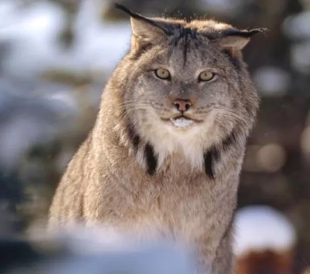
x: 184, y: 136
x: 181, y: 122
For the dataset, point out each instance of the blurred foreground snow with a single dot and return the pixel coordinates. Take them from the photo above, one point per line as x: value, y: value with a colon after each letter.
x: 93, y: 252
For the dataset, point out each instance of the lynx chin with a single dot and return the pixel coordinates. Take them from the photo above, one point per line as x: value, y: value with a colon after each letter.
x: 164, y: 156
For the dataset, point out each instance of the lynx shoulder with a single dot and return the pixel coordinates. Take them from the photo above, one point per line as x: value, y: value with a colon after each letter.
x: 164, y: 156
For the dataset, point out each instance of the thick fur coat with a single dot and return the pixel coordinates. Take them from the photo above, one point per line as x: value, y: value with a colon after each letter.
x: 164, y: 156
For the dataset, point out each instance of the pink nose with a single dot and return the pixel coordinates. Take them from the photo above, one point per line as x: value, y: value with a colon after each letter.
x: 182, y: 105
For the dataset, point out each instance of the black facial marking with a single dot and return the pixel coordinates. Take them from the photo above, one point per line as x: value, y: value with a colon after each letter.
x: 213, y: 155
x: 230, y: 140
x: 186, y: 42
x: 142, y: 49
x: 151, y: 159
x: 178, y: 38
x: 185, y: 33
x: 134, y: 137
x: 210, y: 159
x: 233, y: 60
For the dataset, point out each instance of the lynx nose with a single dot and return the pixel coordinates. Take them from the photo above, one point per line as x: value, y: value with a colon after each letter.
x: 182, y: 105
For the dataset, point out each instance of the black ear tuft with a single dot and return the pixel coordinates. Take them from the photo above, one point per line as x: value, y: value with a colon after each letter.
x: 243, y: 33
x: 234, y: 39
x: 128, y: 11
x: 250, y: 33
x: 258, y: 30
x: 142, y: 18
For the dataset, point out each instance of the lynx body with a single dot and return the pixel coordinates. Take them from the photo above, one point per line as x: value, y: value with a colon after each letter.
x: 164, y: 156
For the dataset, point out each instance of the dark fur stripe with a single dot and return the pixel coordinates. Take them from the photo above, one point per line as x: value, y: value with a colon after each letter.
x: 230, y: 140
x: 212, y: 156
x: 233, y: 60
x: 151, y: 159
x: 210, y: 159
x: 134, y: 137
x: 185, y: 49
x: 143, y: 48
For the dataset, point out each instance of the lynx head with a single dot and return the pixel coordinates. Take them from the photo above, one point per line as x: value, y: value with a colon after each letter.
x: 187, y: 88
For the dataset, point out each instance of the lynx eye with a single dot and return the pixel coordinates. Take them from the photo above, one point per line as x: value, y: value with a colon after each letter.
x: 206, y: 76
x: 163, y: 74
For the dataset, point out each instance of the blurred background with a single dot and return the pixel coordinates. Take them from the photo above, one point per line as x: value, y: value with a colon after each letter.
x: 56, y: 56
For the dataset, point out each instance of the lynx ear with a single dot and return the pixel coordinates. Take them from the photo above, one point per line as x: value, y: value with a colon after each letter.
x: 145, y: 29
x: 235, y: 40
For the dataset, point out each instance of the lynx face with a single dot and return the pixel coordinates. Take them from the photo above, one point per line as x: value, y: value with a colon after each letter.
x: 184, y: 94
x: 188, y: 88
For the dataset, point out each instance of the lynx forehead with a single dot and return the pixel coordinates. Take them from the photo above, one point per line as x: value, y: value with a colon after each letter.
x: 188, y: 90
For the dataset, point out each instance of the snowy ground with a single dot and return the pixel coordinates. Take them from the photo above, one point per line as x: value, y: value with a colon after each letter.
x: 94, y: 252
x: 261, y: 228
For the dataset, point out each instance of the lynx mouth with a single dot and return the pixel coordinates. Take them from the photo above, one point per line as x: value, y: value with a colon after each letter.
x: 182, y: 121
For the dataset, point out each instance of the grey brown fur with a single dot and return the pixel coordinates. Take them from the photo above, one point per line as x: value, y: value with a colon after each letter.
x: 139, y: 172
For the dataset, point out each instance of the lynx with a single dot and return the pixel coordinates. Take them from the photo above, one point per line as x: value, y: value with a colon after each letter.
x: 166, y: 150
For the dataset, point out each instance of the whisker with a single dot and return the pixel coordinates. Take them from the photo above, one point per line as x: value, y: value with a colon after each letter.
x: 126, y: 112
x: 231, y: 115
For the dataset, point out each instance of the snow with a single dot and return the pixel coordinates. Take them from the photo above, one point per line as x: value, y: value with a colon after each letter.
x: 99, y: 44
x: 103, y: 250
x: 31, y: 118
x: 33, y: 34
x: 37, y: 110
x: 153, y: 260
x: 300, y: 57
x: 272, y: 81
x: 261, y: 227
x: 297, y: 26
